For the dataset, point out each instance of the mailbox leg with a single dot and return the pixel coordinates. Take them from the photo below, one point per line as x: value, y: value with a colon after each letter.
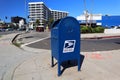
x: 59, y: 69
x: 79, y: 64
x: 52, y: 62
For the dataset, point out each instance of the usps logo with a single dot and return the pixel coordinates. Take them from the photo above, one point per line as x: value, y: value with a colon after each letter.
x: 69, y: 46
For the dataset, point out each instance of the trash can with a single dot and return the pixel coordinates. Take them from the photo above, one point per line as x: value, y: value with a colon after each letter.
x: 65, y: 41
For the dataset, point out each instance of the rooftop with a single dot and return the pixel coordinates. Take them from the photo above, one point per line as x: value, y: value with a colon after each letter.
x: 58, y: 10
x: 35, y: 3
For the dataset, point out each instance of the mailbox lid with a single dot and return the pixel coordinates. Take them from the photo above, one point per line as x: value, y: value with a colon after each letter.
x: 69, y: 25
x: 69, y: 29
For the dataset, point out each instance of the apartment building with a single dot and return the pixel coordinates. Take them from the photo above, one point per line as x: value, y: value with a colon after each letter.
x: 56, y: 14
x: 39, y: 11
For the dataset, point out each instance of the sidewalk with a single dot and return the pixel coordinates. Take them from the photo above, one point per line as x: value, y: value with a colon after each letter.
x: 11, y: 57
x: 102, y: 65
x: 96, y: 66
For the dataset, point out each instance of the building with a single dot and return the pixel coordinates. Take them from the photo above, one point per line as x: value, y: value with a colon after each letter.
x: 90, y: 19
x: 110, y: 21
x: 16, y: 19
x: 56, y: 14
x: 99, y: 19
x: 39, y: 11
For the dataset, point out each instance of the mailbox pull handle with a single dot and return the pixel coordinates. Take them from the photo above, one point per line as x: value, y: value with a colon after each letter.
x: 70, y: 30
x: 54, y: 38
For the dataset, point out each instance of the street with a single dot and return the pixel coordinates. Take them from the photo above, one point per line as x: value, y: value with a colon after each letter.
x: 88, y: 45
x: 8, y: 32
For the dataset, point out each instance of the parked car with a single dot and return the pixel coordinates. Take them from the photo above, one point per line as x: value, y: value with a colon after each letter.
x: 40, y: 29
x: 2, y: 30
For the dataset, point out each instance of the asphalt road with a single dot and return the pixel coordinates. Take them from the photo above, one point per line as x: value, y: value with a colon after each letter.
x: 8, y: 32
x: 86, y: 45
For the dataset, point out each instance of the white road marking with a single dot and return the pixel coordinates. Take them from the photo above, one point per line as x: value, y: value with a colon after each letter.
x: 35, y: 41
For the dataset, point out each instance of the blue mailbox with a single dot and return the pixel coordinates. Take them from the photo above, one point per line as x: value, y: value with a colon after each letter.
x: 65, y: 41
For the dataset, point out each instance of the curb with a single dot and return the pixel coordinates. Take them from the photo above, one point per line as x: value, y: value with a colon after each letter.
x: 35, y: 41
x: 34, y: 50
x: 104, y: 37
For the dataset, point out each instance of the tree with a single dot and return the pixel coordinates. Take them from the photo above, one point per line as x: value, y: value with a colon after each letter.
x: 50, y: 22
x: 37, y: 22
x: 6, y: 17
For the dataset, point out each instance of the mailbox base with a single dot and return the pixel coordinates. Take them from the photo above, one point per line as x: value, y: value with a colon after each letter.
x: 59, y: 64
x: 52, y: 62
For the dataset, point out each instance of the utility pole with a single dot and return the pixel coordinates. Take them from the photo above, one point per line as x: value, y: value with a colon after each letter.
x: 91, y: 15
x: 86, y: 13
x: 27, y: 26
x: 25, y: 10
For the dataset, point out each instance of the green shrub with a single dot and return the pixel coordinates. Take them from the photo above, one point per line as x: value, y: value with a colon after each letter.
x: 90, y: 29
x: 99, y: 29
x: 93, y: 30
x: 85, y: 29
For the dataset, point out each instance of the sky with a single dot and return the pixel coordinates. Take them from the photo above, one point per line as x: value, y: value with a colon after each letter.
x: 75, y: 8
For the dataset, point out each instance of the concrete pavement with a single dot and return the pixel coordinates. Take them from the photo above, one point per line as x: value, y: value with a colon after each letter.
x: 100, y: 65
x: 96, y: 66
x: 10, y: 57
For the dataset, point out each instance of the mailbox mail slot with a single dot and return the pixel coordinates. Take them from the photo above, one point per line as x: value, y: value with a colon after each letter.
x: 65, y: 41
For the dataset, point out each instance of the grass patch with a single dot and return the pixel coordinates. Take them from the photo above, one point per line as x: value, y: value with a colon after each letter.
x: 17, y: 44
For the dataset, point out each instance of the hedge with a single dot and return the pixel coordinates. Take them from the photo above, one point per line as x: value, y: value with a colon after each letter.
x: 87, y: 29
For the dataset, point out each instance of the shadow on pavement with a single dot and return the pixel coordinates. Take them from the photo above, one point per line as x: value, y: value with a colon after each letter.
x: 72, y: 63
